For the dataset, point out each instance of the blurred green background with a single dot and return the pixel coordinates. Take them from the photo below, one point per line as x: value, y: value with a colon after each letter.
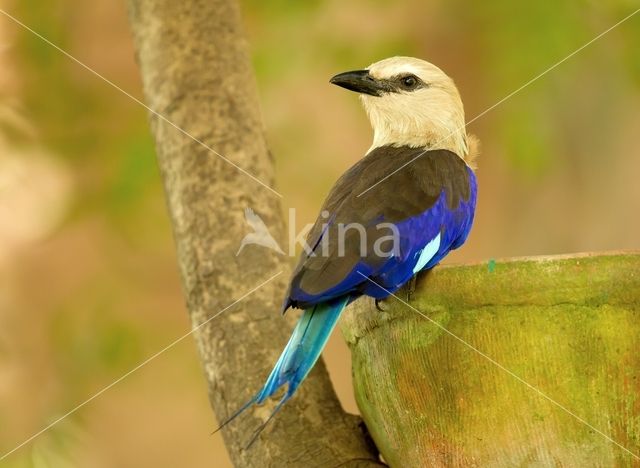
x: 88, y: 278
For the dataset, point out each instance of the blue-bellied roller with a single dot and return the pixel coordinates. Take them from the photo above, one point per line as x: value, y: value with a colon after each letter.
x: 398, y: 211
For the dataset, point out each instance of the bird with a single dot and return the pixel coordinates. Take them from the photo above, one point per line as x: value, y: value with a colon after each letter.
x: 260, y: 235
x: 417, y: 180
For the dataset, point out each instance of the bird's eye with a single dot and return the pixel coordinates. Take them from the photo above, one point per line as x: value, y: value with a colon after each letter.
x: 409, y: 81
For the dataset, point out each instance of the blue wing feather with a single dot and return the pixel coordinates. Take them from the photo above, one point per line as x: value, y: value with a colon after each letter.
x: 452, y: 226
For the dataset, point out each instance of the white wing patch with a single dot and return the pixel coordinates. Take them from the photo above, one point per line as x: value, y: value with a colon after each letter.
x: 427, y: 253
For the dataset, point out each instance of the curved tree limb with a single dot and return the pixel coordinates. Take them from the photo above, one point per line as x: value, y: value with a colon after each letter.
x: 196, y: 73
x: 516, y: 363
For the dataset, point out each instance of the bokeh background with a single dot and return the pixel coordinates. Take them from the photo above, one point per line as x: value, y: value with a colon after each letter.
x: 88, y: 277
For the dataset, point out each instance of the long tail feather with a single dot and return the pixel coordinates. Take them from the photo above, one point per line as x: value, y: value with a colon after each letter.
x: 236, y: 414
x: 259, y: 430
x: 298, y: 358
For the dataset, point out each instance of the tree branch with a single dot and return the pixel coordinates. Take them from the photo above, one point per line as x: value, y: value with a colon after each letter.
x: 567, y: 326
x: 196, y: 73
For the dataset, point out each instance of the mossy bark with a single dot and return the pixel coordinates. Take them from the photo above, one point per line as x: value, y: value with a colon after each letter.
x: 535, y: 362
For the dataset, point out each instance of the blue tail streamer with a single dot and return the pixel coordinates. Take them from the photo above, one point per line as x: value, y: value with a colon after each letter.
x: 298, y: 358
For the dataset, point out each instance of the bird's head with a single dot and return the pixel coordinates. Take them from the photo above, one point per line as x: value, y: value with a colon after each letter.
x: 410, y: 102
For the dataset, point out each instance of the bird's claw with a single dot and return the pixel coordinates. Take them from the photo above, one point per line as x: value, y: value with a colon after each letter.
x: 378, y: 303
x: 411, y: 289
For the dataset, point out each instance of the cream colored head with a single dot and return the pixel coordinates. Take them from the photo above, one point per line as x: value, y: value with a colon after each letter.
x: 410, y: 102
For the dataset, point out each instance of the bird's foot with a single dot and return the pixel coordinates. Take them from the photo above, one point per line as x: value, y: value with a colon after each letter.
x: 379, y: 303
x: 411, y: 287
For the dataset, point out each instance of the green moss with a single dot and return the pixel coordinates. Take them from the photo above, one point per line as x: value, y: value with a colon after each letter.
x: 533, y: 342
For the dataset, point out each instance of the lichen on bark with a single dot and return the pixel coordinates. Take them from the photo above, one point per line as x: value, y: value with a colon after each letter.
x: 533, y: 361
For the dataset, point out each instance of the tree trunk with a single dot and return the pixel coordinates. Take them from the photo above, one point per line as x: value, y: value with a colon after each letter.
x: 567, y: 326
x: 196, y: 73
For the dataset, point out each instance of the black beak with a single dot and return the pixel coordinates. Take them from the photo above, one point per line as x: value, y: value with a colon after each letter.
x: 359, y: 81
